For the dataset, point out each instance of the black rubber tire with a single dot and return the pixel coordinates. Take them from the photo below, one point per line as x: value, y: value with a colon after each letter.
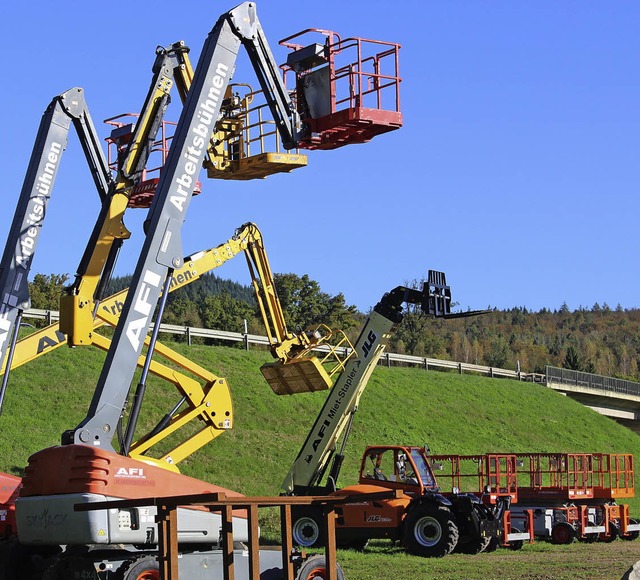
x: 315, y: 568
x: 629, y: 537
x: 430, y: 531
x: 516, y: 544
x: 562, y: 533
x: 494, y: 544
x: 307, y: 528
x: 143, y: 568
x: 474, y: 546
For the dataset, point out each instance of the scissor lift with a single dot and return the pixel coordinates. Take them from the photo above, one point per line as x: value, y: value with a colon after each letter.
x: 574, y: 494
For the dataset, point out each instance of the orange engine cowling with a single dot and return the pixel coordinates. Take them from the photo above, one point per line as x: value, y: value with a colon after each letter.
x: 58, y: 479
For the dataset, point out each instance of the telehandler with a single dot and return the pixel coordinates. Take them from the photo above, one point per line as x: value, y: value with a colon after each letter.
x: 419, y: 516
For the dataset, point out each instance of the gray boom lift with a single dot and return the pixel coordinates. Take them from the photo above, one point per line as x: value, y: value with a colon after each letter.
x: 51, y: 142
x: 162, y: 249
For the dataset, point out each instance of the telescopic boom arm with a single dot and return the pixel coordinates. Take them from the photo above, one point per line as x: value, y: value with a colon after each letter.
x: 162, y: 249
x: 310, y: 465
x: 51, y: 142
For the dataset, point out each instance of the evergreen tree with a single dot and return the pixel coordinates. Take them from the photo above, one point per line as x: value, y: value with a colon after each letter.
x: 572, y: 360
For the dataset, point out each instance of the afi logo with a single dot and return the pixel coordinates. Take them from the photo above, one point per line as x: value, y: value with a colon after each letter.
x: 131, y: 472
x: 137, y: 328
x: 368, y: 344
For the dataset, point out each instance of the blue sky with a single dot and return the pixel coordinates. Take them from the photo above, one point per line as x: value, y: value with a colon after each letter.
x: 516, y: 171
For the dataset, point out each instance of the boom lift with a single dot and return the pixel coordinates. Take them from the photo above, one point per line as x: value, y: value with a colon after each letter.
x: 424, y: 520
x: 65, y: 109
x: 88, y: 449
x: 351, y: 111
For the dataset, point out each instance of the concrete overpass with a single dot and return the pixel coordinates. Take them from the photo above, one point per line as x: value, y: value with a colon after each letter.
x: 615, y: 398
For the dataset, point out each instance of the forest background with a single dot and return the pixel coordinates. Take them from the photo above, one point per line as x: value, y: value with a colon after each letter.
x: 597, y: 339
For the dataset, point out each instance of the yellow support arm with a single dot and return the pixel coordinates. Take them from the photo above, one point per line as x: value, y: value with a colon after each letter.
x: 51, y: 337
x: 77, y: 306
x: 210, y: 404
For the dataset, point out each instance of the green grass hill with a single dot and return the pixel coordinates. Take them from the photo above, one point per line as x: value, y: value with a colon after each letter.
x: 451, y: 413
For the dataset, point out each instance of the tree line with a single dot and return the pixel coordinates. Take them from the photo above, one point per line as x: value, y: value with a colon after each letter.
x: 599, y: 339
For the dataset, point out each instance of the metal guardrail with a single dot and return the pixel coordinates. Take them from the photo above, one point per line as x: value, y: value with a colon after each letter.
x: 591, y: 381
x: 388, y: 358
x: 552, y: 374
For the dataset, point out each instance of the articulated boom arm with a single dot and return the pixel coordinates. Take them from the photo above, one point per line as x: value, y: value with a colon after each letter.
x: 51, y: 141
x: 281, y: 340
x: 78, y: 306
x: 312, y: 460
x: 297, y: 369
x: 162, y: 249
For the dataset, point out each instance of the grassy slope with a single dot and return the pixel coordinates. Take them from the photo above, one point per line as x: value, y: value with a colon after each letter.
x: 452, y: 413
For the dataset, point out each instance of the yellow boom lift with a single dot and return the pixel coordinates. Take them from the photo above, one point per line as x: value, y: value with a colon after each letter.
x: 296, y: 369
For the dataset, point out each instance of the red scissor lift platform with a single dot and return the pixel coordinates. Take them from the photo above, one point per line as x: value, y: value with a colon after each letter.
x: 576, y: 492
x: 346, y: 90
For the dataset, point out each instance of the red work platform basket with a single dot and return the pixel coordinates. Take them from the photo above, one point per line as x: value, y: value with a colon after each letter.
x: 141, y: 194
x: 346, y: 91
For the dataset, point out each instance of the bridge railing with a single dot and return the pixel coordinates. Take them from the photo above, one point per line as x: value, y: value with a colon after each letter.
x: 591, y: 381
